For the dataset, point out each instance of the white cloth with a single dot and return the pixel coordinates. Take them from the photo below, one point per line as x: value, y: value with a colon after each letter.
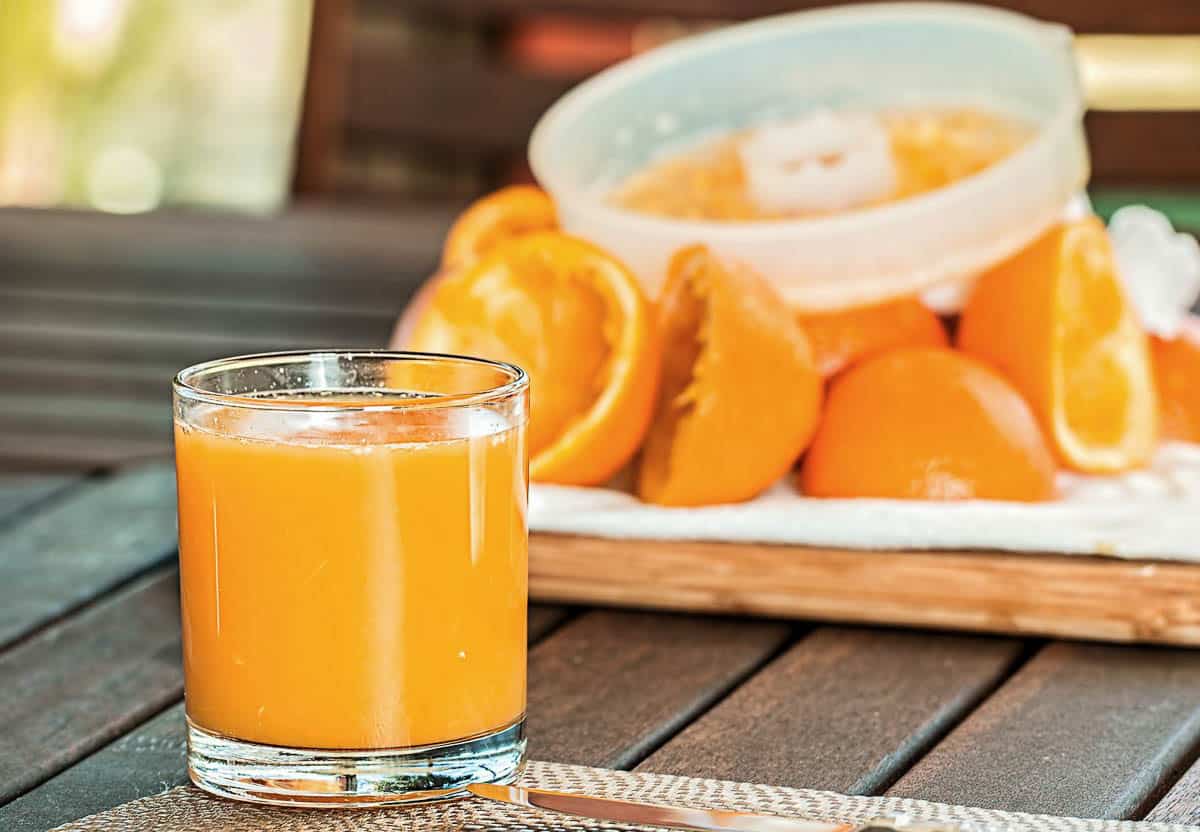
x: 1153, y: 513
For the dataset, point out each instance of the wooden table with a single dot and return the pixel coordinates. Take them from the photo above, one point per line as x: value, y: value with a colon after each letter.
x: 90, y: 687
x: 95, y: 313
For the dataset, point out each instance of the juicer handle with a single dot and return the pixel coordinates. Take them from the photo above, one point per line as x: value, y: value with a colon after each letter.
x: 1139, y: 72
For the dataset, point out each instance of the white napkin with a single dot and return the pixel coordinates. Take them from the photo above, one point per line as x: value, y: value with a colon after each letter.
x: 1154, y: 513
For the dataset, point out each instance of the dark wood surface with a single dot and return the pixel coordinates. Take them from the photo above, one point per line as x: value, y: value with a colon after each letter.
x: 1037, y: 746
x: 843, y: 709
x: 609, y: 687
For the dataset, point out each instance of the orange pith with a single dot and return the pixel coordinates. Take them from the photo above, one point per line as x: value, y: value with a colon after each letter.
x: 509, y: 212
x: 1055, y: 321
x: 927, y: 423
x: 1177, y: 377
x: 739, y: 397
x: 844, y: 337
x: 579, y: 324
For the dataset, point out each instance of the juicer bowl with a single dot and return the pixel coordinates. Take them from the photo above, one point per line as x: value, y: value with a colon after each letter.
x: 872, y: 57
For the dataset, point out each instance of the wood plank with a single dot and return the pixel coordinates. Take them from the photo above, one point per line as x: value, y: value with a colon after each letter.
x: 609, y: 687
x: 97, y: 537
x: 844, y: 709
x: 1093, y: 731
x: 318, y: 142
x: 147, y: 760
x: 151, y: 381
x: 88, y: 679
x: 307, y: 239
x: 159, y: 342
x: 220, y: 310
x: 20, y: 491
x: 85, y: 414
x: 544, y: 619
x: 1142, y: 148
x: 1182, y: 803
x: 335, y: 283
x: 473, y: 104
x: 41, y: 452
x: 1042, y: 594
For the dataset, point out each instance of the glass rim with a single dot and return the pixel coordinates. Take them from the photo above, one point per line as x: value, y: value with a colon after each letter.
x: 183, y: 386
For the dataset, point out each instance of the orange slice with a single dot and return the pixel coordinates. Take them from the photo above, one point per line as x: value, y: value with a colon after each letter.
x: 739, y: 397
x: 1177, y: 377
x: 844, y: 337
x: 1055, y: 321
x: 579, y: 324
x: 509, y: 212
x: 927, y: 424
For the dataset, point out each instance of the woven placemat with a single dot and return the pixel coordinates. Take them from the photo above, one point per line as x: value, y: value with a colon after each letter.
x: 186, y: 808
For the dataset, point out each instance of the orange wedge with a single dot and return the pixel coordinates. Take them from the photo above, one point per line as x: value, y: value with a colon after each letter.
x: 844, y: 337
x: 927, y: 424
x: 579, y: 324
x: 509, y: 212
x: 739, y: 397
x: 1177, y: 377
x: 1055, y: 321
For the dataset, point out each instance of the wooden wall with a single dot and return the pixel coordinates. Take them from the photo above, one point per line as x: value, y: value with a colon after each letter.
x: 434, y: 98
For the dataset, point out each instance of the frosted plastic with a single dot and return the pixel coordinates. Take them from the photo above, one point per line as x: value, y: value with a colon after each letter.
x: 861, y: 57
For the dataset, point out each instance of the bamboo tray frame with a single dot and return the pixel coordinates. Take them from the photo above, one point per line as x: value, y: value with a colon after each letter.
x: 1063, y: 596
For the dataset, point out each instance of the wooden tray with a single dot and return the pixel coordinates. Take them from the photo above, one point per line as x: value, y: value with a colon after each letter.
x: 1066, y: 596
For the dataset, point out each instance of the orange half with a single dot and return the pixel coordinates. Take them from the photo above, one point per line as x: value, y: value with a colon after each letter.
x: 487, y: 222
x: 579, y: 324
x: 1054, y: 320
x: 739, y: 397
x: 927, y: 424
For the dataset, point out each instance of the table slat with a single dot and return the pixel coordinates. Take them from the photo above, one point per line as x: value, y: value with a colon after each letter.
x: 102, y: 534
x: 1182, y: 803
x: 146, y: 761
x: 844, y: 709
x: 1082, y: 730
x: 609, y: 687
x: 20, y: 491
x: 67, y: 452
x: 543, y: 619
x: 86, y: 680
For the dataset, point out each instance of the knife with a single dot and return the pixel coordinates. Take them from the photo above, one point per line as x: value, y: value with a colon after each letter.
x: 702, y: 820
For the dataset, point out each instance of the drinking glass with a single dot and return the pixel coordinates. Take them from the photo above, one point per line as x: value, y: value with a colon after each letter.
x: 353, y: 574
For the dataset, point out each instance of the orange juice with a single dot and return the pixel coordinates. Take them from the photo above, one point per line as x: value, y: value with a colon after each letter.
x: 349, y: 593
x: 931, y: 148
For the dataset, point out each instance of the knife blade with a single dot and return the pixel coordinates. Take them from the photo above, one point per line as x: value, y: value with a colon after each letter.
x: 621, y: 811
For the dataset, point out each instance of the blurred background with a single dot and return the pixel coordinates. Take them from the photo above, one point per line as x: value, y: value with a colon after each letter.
x: 181, y: 181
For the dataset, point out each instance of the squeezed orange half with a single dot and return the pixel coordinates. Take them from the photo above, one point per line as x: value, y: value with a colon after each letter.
x: 344, y: 594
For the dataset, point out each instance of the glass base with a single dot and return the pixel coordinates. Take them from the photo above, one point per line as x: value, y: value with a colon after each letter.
x: 317, y: 777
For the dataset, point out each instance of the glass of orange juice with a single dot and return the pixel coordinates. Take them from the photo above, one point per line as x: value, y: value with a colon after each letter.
x: 353, y: 574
